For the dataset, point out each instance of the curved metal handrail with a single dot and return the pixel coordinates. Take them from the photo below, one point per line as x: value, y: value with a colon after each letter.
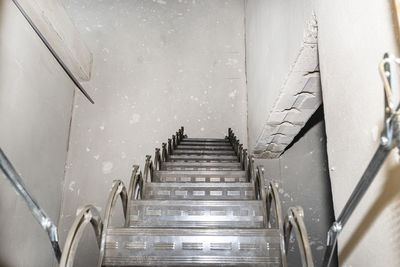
x: 118, y: 190
x: 157, y: 160
x: 135, y: 190
x: 88, y: 214
x: 259, y: 184
x: 148, y: 169
x: 250, y: 168
x: 273, y: 196
x: 294, y: 221
x: 164, y: 155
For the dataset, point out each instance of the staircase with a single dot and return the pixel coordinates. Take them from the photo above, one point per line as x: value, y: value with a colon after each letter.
x: 201, y: 202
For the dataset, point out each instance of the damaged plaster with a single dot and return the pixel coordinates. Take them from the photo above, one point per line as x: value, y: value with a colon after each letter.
x: 299, y: 98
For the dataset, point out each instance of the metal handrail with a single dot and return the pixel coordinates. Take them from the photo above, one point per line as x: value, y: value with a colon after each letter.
x: 53, y: 52
x: 164, y: 154
x: 390, y: 138
x: 294, y: 221
x: 88, y: 214
x: 273, y: 196
x: 40, y: 215
x: 135, y: 190
x: 118, y: 190
x: 148, y: 170
x: 157, y: 160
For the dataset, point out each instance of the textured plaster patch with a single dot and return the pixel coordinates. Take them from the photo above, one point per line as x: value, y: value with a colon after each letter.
x: 299, y: 98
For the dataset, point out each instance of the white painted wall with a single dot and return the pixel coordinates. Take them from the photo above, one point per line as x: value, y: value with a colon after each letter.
x: 274, y: 35
x: 302, y: 174
x: 352, y: 42
x: 35, y: 111
x: 352, y: 39
x: 157, y: 65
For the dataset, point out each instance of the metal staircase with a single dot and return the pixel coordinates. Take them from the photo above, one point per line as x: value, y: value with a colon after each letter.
x: 201, y: 202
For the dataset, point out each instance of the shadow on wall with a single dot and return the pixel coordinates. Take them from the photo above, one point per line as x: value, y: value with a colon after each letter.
x: 318, y: 116
x: 389, y: 195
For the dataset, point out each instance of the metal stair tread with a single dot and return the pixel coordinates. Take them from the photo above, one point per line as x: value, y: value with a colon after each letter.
x: 221, y: 140
x: 199, y: 191
x: 202, y: 158
x: 197, y: 213
x: 203, y: 152
x: 200, y: 166
x: 185, y: 176
x: 212, y: 144
x: 186, y: 147
x: 171, y: 246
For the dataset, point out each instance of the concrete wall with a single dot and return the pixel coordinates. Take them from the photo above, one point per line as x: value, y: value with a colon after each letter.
x: 351, y: 44
x: 352, y: 39
x: 35, y: 111
x: 157, y: 65
x: 302, y: 174
x: 274, y: 35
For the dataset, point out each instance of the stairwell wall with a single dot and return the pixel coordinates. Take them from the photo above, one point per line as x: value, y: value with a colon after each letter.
x: 157, y: 65
x: 352, y: 37
x: 35, y: 110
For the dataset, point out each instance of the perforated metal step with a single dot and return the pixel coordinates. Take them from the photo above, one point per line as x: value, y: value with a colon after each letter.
x: 211, y: 191
x: 181, y: 247
x: 202, y: 158
x: 197, y: 213
x: 214, y: 144
x: 200, y: 176
x: 201, y: 166
x: 203, y: 152
x: 202, y: 147
x: 218, y: 140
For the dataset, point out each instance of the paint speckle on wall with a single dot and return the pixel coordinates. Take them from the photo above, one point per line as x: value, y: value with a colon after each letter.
x: 107, y: 167
x: 71, y: 186
x: 135, y: 118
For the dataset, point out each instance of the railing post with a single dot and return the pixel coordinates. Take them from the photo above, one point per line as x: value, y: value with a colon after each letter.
x: 164, y: 155
x: 183, y: 131
x: 173, y: 142
x: 178, y: 137
x: 169, y: 147
x: 244, y: 160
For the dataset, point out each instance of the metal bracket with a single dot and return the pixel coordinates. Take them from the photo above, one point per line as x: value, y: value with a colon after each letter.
x: 390, y: 138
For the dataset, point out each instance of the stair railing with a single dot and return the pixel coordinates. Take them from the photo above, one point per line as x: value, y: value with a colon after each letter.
x: 40, y: 215
x: 135, y: 190
x: 118, y: 190
x: 173, y: 142
x: 157, y: 160
x: 148, y: 170
x: 294, y: 222
x: 390, y: 138
x: 164, y: 154
x: 169, y: 146
x: 273, y: 200
x: 88, y: 215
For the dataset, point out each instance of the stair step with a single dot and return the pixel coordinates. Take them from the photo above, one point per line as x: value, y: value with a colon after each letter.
x: 211, y: 191
x: 213, y: 144
x: 203, y: 158
x: 197, y: 213
x: 218, y: 140
x: 166, y: 246
x: 200, y: 176
x: 186, y: 147
x: 204, y: 152
x: 200, y: 166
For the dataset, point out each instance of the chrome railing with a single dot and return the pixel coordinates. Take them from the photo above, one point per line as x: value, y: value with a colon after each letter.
x: 53, y: 52
x: 390, y: 138
x: 294, y: 219
x: 40, y: 215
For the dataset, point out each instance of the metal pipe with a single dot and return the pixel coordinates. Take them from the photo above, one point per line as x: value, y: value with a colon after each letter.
x: 40, y: 215
x: 53, y: 52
